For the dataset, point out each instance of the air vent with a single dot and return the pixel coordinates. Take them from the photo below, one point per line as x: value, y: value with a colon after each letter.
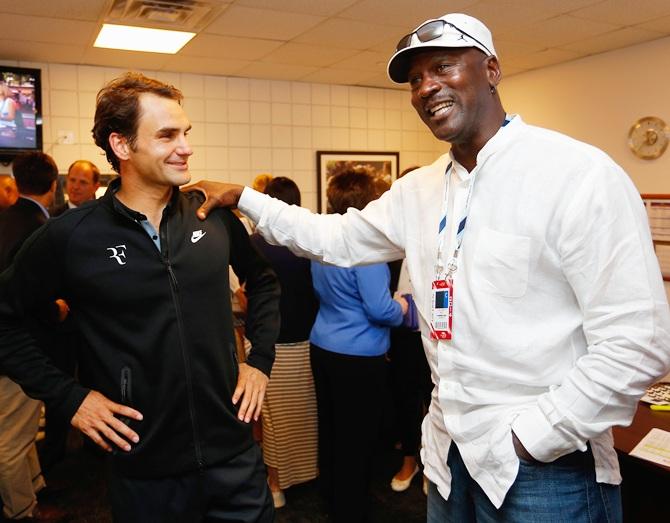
x: 178, y: 15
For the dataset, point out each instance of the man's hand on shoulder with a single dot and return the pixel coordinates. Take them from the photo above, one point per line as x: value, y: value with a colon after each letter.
x: 251, y: 385
x: 217, y: 194
x: 96, y: 418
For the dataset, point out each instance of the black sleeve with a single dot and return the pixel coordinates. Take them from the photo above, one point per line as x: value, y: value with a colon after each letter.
x: 262, y: 290
x: 32, y: 280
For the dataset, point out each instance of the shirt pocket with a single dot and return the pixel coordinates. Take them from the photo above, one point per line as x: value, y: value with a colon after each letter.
x: 502, y: 263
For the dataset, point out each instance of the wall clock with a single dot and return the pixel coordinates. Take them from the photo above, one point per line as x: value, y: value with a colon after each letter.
x: 648, y: 138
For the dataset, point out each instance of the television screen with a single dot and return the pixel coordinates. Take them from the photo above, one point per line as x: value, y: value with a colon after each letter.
x: 20, y: 111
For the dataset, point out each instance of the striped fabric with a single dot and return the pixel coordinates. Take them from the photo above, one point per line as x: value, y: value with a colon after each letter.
x: 289, y: 416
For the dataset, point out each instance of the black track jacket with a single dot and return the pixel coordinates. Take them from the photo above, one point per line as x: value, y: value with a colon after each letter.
x: 156, y: 326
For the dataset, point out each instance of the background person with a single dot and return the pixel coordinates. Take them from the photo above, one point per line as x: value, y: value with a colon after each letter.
x: 7, y: 107
x: 9, y: 193
x: 349, y: 341
x: 21, y: 476
x: 289, y: 411
x: 411, y: 385
x: 81, y: 184
x: 559, y: 316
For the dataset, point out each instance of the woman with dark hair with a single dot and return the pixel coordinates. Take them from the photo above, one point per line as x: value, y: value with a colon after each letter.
x: 289, y: 408
x: 348, y: 342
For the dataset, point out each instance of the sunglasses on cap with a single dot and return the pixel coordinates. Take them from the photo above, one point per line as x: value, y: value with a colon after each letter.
x: 431, y: 31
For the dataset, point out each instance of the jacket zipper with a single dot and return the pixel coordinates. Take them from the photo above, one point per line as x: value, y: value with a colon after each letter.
x: 126, y: 387
x: 174, y: 287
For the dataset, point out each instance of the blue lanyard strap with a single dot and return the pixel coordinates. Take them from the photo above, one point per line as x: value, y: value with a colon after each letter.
x: 452, y: 265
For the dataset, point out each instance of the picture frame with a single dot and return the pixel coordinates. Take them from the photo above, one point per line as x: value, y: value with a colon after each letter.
x: 329, y: 163
x: 658, y: 213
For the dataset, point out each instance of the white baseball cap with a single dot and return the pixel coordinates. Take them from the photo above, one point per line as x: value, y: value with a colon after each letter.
x: 451, y: 30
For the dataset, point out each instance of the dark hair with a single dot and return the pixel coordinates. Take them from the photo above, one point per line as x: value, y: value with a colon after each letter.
x: 34, y: 172
x: 283, y: 189
x: 91, y: 165
x: 117, y: 109
x: 350, y: 189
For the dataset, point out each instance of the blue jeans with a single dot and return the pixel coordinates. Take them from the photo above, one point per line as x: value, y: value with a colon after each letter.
x: 562, y: 491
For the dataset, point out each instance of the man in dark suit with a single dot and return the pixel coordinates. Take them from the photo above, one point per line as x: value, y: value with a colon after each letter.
x: 35, y: 174
x: 20, y: 476
x: 83, y: 180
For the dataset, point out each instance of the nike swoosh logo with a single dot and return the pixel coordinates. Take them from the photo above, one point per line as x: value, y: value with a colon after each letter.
x: 197, y: 236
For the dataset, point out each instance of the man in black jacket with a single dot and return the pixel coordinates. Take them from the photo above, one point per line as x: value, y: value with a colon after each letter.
x: 20, y: 474
x: 147, y: 283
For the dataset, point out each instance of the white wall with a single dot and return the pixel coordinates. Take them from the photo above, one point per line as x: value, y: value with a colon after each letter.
x: 597, y: 99
x: 242, y: 127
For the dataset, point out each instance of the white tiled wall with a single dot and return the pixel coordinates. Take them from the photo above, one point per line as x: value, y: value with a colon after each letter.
x: 242, y: 126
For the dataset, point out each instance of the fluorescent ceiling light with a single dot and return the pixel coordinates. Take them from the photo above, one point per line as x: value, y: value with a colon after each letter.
x: 131, y: 38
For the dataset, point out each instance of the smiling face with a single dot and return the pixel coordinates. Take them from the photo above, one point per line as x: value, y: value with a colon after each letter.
x: 159, y: 156
x: 451, y: 92
x: 80, y: 184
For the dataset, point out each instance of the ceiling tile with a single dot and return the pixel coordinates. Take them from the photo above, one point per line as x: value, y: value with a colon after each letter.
x: 364, y: 61
x: 613, y: 40
x: 359, y: 35
x: 510, y: 15
x: 339, y: 76
x: 625, y: 12
x: 505, y: 49
x: 244, y: 21
x: 381, y: 80
x: 276, y: 71
x: 310, y: 7
x: 213, y: 46
x: 388, y: 45
x: 200, y: 65
x: 661, y: 25
x: 401, y: 13
x: 356, y: 41
x: 511, y: 71
x: 126, y: 60
x: 90, y: 10
x: 43, y: 52
x: 558, y: 31
x: 39, y: 29
x: 310, y: 55
x: 542, y: 58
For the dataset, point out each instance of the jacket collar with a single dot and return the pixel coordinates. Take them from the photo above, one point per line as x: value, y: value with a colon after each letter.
x: 110, y: 200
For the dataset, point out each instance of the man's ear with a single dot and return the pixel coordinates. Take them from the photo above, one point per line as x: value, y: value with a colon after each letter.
x: 493, y: 71
x: 119, y: 145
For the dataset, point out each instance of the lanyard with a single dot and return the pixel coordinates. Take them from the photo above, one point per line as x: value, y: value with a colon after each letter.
x: 452, y: 264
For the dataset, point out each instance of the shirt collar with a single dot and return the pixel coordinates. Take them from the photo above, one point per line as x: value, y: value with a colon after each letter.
x: 110, y: 196
x: 42, y: 207
x: 498, y: 141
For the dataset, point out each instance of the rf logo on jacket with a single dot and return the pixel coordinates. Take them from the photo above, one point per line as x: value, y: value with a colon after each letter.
x: 118, y: 253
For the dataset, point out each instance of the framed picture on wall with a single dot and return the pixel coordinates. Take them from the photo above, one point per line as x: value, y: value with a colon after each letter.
x: 382, y: 165
x: 658, y: 212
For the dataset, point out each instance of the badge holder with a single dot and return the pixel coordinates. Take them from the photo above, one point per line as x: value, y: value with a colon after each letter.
x: 442, y: 309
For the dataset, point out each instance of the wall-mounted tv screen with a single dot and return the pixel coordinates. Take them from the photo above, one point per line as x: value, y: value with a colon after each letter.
x: 20, y: 111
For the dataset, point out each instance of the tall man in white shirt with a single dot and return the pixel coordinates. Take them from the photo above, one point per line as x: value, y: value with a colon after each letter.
x: 556, y: 319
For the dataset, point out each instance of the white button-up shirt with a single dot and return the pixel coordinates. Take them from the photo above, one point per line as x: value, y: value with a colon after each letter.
x: 560, y: 319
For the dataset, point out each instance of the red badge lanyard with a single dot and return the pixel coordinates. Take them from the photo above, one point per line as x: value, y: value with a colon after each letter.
x: 442, y: 288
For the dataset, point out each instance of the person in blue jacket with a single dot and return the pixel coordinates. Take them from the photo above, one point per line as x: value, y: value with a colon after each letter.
x: 349, y: 341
